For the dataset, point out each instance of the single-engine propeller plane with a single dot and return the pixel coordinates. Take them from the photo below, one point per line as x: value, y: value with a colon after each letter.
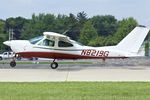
x: 58, y: 46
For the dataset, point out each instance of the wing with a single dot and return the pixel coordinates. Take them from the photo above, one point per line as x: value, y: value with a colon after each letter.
x: 53, y: 36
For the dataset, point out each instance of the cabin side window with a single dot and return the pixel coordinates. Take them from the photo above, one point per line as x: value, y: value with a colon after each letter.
x: 64, y: 44
x: 47, y: 42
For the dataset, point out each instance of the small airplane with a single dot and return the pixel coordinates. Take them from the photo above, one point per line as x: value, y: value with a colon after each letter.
x: 58, y: 46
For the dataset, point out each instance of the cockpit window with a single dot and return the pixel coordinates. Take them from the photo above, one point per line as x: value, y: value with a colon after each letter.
x: 47, y: 42
x: 64, y: 44
x: 36, y: 39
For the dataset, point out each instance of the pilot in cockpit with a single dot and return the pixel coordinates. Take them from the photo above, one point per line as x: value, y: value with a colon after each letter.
x: 47, y: 42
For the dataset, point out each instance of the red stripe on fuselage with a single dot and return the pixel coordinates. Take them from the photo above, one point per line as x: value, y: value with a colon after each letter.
x: 58, y: 55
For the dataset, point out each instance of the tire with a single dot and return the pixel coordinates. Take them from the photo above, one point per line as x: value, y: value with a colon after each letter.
x: 12, y: 64
x: 54, y: 65
x: 1, y: 58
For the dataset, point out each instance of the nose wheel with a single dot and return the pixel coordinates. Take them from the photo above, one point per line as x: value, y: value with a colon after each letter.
x: 54, y: 64
x: 12, y: 64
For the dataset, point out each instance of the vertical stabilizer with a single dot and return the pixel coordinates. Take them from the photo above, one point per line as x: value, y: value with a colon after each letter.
x: 133, y: 41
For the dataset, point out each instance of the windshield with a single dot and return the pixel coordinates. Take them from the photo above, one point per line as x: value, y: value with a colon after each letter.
x: 36, y: 39
x: 75, y: 42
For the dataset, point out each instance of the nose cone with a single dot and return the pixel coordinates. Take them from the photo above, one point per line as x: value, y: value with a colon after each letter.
x: 8, y: 43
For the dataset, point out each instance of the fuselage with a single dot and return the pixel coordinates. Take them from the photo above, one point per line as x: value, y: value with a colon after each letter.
x: 57, y: 46
x: 25, y: 49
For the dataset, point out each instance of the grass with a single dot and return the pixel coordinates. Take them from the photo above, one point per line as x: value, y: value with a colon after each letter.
x: 75, y: 91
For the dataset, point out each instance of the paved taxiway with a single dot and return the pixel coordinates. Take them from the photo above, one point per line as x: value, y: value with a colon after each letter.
x: 70, y: 72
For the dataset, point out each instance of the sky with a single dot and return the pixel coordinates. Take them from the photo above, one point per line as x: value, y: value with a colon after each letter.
x: 139, y: 9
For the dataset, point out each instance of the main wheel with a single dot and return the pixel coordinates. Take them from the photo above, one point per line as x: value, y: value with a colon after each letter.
x: 12, y: 63
x: 54, y: 65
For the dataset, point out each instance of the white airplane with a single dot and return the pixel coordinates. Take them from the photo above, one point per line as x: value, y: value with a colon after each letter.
x: 58, y: 46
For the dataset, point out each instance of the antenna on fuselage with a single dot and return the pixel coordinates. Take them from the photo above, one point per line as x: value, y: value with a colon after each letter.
x: 64, y: 33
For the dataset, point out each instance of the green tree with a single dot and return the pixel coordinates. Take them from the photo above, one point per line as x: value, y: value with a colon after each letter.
x: 125, y: 26
x: 37, y: 25
x: 82, y: 18
x: 147, y: 49
x: 105, y: 25
x: 76, y: 24
x: 2, y: 35
x: 74, y: 28
x: 88, y: 34
x: 61, y: 24
x: 16, y: 24
x: 2, y: 26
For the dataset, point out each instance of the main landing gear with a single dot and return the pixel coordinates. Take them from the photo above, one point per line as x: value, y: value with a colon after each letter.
x: 13, y: 62
x: 54, y: 64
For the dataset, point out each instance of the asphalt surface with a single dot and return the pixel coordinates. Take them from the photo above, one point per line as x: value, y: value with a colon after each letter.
x: 111, y: 70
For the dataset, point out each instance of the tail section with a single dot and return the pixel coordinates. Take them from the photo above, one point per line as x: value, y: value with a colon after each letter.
x: 133, y: 41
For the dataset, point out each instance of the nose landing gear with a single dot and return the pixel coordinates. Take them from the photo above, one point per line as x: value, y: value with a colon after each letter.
x: 13, y: 62
x: 54, y: 64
